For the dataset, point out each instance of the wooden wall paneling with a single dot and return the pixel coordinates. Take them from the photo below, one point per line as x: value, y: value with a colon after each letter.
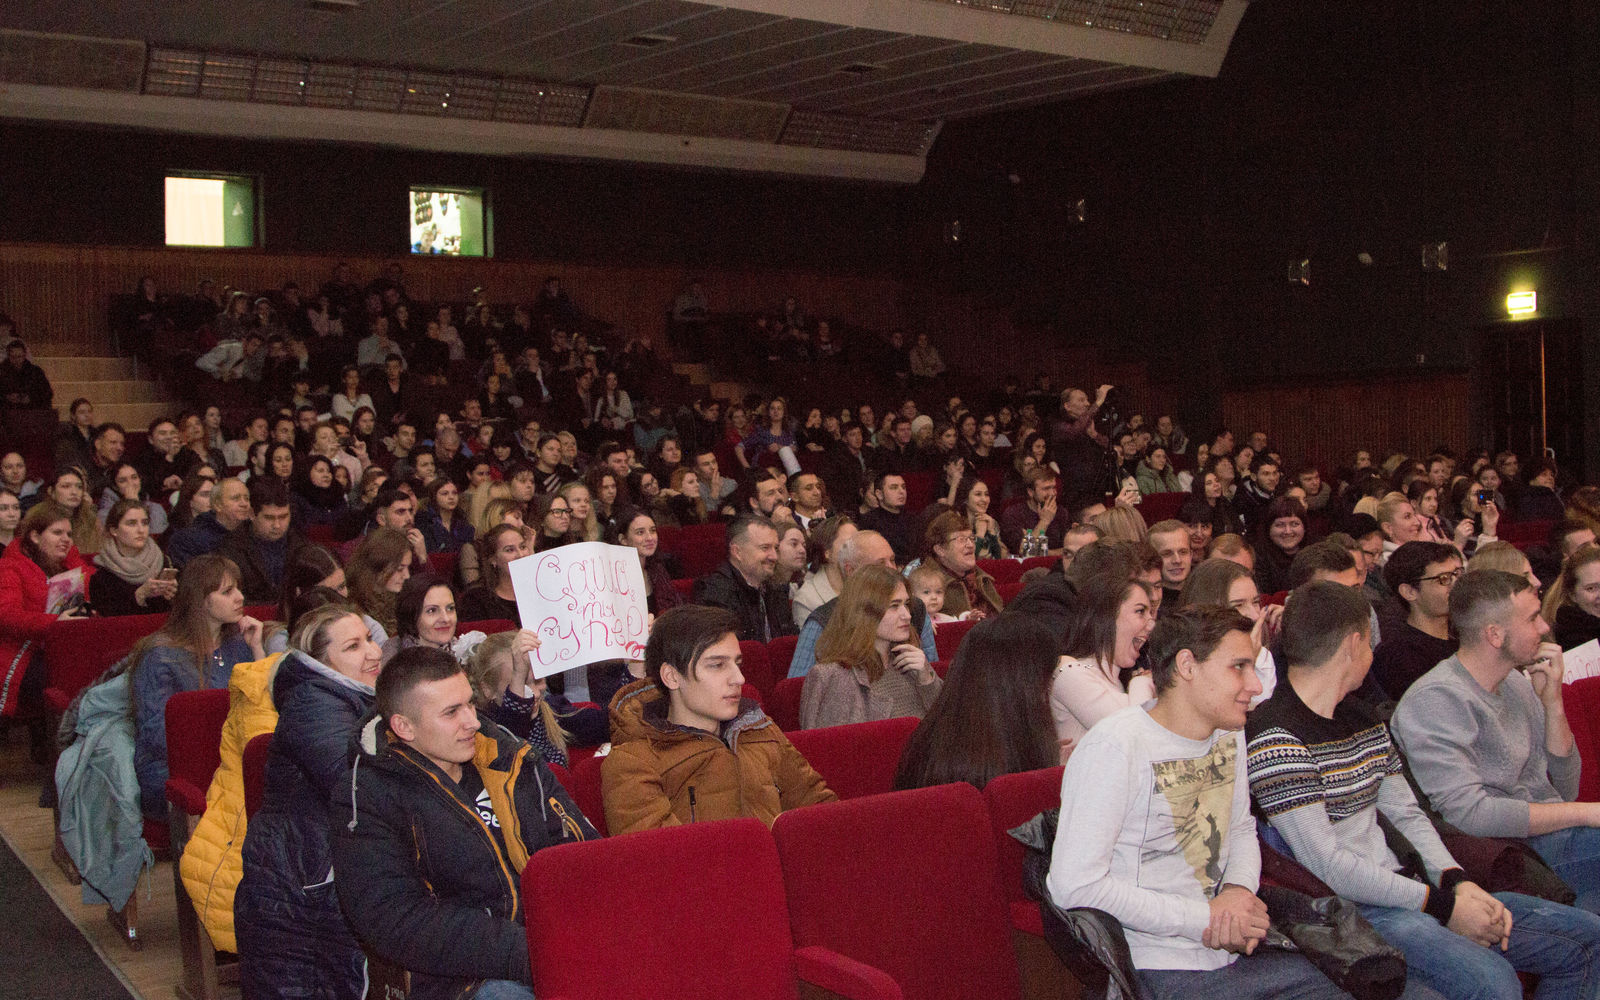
x: 59, y: 294
x: 1327, y: 423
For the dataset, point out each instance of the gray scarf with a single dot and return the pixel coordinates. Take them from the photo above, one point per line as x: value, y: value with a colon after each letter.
x: 136, y: 567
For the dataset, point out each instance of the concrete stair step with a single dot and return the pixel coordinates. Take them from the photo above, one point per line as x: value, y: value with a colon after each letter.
x: 119, y: 391
x: 733, y: 391
x: 63, y: 368
x: 696, y: 372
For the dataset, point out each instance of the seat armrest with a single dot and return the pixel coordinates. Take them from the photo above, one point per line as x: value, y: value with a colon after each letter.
x: 847, y: 977
x: 186, y: 796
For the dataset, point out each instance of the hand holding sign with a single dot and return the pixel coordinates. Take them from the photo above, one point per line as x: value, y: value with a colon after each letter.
x: 586, y: 602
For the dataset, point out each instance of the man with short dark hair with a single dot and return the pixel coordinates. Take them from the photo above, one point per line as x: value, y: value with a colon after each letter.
x: 393, y: 507
x: 1318, y: 493
x: 164, y: 462
x: 1258, y: 490
x: 1155, y: 827
x: 1170, y: 539
x: 806, y: 500
x: 230, y: 508
x: 714, y: 489
x: 889, y: 518
x: 846, y: 468
x: 743, y: 583
x: 762, y: 494
x: 1323, y: 771
x: 441, y: 813
x: 262, y: 547
x: 1422, y: 574
x: 899, y: 454
x: 1486, y: 732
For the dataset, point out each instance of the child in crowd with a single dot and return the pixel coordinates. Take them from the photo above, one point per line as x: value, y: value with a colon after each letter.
x: 927, y: 585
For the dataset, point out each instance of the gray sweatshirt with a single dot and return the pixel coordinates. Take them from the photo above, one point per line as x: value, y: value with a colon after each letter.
x: 1152, y: 826
x: 1479, y: 755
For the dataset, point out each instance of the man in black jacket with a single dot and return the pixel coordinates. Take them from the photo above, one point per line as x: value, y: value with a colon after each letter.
x: 442, y: 816
x: 263, y: 546
x: 742, y: 584
x: 23, y: 384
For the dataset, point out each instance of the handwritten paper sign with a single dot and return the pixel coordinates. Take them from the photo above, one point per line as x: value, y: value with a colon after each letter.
x: 586, y: 602
x: 1582, y: 662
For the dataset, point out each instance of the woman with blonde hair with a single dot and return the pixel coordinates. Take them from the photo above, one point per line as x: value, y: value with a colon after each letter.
x: 1572, y: 606
x: 1120, y: 523
x: 376, y: 571
x: 506, y: 693
x: 1506, y: 558
x: 585, y: 526
x: 869, y: 665
x: 498, y: 511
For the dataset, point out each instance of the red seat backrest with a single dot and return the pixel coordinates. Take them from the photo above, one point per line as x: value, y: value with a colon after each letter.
x: 1156, y: 507
x: 262, y: 612
x: 76, y: 651
x: 194, y: 745
x: 1014, y: 799
x: 255, y: 772
x: 695, y: 883
x: 780, y: 653
x: 1003, y: 570
x: 321, y: 534
x: 947, y: 637
x: 757, y: 669
x: 684, y: 587
x: 585, y: 791
x: 784, y: 705
x: 443, y: 563
x: 489, y: 626
x: 904, y: 882
x: 858, y: 759
x: 919, y: 490
x: 1582, y: 701
x: 1037, y: 562
x: 1520, y: 533
x: 1007, y: 592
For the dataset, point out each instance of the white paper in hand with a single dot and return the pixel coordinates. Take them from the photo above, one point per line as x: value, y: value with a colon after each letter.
x: 1581, y: 662
x: 586, y: 602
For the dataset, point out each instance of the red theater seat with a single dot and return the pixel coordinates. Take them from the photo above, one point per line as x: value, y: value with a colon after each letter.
x: 76, y: 651
x: 1004, y: 571
x: 858, y: 759
x: 904, y: 882
x: 1039, y: 562
x: 1157, y: 507
x: 757, y: 669
x: 585, y: 791
x: 710, y: 880
x: 194, y: 740
x: 255, y: 772
x: 443, y: 563
x: 784, y: 705
x: 262, y: 612
x: 947, y: 638
x: 1013, y: 799
x: 321, y: 534
x: 489, y: 626
x: 1582, y: 701
x: 684, y: 587
x: 1007, y: 592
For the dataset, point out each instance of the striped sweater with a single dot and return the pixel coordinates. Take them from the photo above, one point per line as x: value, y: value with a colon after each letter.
x: 1322, y: 783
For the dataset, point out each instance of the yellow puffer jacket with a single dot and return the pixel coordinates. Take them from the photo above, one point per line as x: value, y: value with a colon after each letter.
x: 212, y: 863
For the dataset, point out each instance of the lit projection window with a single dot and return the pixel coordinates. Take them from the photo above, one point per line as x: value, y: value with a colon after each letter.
x: 211, y: 210
x: 450, y: 221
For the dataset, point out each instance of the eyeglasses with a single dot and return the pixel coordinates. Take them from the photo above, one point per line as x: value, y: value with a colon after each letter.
x: 1442, y: 579
x: 561, y: 510
x: 963, y: 537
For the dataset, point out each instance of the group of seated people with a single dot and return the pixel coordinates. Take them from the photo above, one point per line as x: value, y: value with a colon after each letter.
x: 1290, y: 644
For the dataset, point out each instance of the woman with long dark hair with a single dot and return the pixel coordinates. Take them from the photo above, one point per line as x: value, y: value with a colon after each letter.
x: 377, y: 569
x: 550, y: 517
x: 1107, y: 629
x: 205, y: 635
x: 68, y: 490
x: 444, y: 525
x: 315, y: 496
x: 125, y: 483
x: 993, y: 716
x: 1279, y: 533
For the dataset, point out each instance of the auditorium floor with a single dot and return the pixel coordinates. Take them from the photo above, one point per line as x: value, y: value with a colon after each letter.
x: 151, y: 973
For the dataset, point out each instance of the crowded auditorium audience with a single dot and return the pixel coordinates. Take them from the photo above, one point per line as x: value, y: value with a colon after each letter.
x: 1036, y: 579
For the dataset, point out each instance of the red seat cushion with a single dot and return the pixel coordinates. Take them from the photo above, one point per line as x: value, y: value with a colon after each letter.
x: 858, y: 759
x: 904, y: 882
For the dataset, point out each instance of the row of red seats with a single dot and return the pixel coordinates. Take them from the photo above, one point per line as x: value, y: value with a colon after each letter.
x: 805, y: 909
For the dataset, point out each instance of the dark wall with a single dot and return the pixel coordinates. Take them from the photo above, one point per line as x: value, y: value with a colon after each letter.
x: 1333, y: 129
x: 81, y: 185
